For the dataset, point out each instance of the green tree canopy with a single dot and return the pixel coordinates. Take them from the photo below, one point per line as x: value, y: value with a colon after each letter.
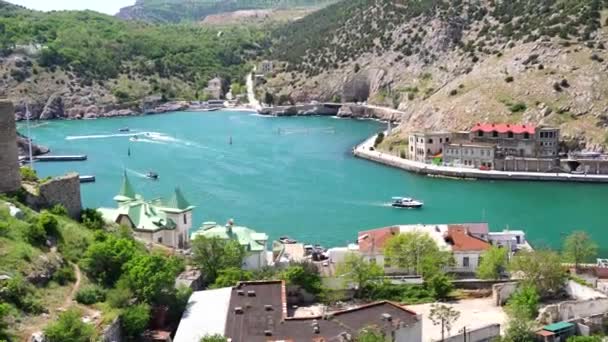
x: 355, y: 269
x: 152, y: 277
x: 214, y: 254
x: 69, y: 328
x: 134, y: 320
x: 521, y: 309
x: 493, y: 263
x: 541, y: 269
x: 371, y: 334
x: 305, y: 274
x: 231, y: 276
x: 418, y: 252
x: 213, y: 338
x: 578, y: 248
x: 4, y: 311
x: 104, y: 260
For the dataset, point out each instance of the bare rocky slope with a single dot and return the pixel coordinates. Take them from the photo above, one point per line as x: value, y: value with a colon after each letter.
x: 450, y: 64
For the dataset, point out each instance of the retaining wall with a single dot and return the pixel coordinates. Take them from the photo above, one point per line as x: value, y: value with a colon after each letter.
x: 502, y: 292
x: 483, y: 334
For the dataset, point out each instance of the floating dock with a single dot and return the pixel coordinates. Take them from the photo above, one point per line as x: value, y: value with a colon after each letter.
x: 87, y: 179
x: 55, y: 158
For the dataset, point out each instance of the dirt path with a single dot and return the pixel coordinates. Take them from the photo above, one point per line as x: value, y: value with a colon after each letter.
x: 67, y: 303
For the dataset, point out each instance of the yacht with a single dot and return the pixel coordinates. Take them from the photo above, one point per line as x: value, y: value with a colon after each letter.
x: 406, y: 202
x: 124, y: 129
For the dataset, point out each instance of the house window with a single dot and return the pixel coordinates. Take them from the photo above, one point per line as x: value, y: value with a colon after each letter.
x: 479, y: 260
x: 411, y: 148
x: 185, y: 219
x: 510, y: 135
x: 447, y: 140
x: 518, y: 239
x: 160, y: 239
x: 440, y: 140
x: 465, y: 262
x: 480, y: 134
x: 495, y: 134
x: 526, y: 136
x: 430, y: 141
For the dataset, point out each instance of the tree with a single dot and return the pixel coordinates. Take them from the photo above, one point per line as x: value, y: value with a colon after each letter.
x: 445, y: 316
x: 522, y: 308
x: 355, y: 269
x: 69, y: 327
x: 48, y: 223
x: 92, y: 219
x: 134, y: 320
x: 214, y: 338
x: 230, y: 277
x: 584, y: 339
x: 213, y: 254
x: 440, y: 285
x: 493, y: 263
x: 268, y: 99
x: 417, y: 252
x: 541, y: 269
x: 578, y: 248
x: 152, y: 277
x: 305, y: 274
x: 379, y: 139
x: 371, y: 334
x: 104, y: 260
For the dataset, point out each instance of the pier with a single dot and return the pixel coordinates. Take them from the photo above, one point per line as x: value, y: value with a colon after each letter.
x: 363, y: 151
x: 87, y: 179
x: 56, y: 158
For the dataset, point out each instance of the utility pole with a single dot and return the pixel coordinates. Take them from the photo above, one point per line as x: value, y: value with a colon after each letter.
x: 29, y: 136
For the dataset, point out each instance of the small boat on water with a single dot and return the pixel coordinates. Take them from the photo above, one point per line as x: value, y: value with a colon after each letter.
x: 406, y: 203
x: 124, y: 129
x: 152, y: 175
x: 287, y: 240
x: 133, y: 138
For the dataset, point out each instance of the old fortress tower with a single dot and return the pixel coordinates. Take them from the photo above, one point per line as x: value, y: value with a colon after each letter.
x: 10, y: 177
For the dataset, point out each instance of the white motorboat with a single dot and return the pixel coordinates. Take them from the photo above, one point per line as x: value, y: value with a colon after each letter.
x: 406, y: 202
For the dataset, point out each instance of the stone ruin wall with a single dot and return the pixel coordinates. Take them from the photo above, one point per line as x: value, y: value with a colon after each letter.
x: 10, y: 177
x: 64, y: 190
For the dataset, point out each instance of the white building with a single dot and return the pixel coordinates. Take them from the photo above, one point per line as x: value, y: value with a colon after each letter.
x: 513, y: 240
x: 162, y: 221
x: 424, y: 146
x: 255, y: 243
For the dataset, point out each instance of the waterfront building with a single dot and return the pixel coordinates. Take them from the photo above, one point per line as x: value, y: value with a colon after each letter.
x: 215, y: 88
x: 424, y: 146
x: 513, y: 240
x: 162, y: 221
x: 466, y: 249
x: 525, y: 141
x: 259, y: 311
x: 255, y: 243
x: 469, y: 154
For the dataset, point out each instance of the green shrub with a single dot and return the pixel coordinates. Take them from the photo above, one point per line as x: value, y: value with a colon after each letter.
x: 509, y: 79
x: 69, y: 327
x: 35, y: 234
x: 64, y: 275
x: 440, y: 285
x: 49, y: 223
x: 120, y: 296
x: 59, y: 210
x: 518, y: 107
x: 134, y: 320
x: 408, y: 294
x: 90, y: 295
x: 20, y: 292
x: 92, y: 219
x: 28, y: 174
x: 453, y: 92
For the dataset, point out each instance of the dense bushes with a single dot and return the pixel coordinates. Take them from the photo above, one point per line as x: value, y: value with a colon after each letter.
x: 69, y: 327
x: 90, y: 295
x: 92, y: 219
x: 134, y: 320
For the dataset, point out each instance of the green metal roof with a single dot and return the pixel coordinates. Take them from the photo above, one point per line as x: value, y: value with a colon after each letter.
x: 143, y: 215
x: 177, y: 201
x: 250, y: 239
x: 126, y: 189
x: 559, y: 326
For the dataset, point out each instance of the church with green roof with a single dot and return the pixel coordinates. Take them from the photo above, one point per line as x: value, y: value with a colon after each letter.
x: 165, y: 221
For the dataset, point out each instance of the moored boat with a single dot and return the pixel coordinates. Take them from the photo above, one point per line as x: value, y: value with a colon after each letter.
x: 152, y: 175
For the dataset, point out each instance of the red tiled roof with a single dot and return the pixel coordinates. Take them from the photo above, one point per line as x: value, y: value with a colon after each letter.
x: 503, y: 128
x: 375, y: 239
x: 462, y: 241
x: 473, y: 228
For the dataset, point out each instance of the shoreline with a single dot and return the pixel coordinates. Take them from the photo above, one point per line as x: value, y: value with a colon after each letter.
x: 363, y: 151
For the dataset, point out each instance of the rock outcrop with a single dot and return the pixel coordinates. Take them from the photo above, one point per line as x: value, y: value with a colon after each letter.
x: 53, y: 108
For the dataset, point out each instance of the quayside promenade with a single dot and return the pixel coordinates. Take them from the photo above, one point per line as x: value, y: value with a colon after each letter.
x: 365, y: 150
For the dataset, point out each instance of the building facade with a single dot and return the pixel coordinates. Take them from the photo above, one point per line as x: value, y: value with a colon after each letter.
x: 255, y: 243
x: 166, y: 222
x: 425, y: 146
x: 477, y: 155
x: 526, y: 141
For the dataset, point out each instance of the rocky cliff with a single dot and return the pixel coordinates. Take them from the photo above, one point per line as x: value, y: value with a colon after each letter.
x: 451, y: 64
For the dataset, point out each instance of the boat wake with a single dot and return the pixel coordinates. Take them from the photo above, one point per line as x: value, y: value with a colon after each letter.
x: 314, y: 130
x: 99, y: 136
x: 138, y: 174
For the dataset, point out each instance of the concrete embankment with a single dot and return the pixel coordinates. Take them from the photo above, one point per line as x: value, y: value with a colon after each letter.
x: 343, y: 110
x: 363, y: 151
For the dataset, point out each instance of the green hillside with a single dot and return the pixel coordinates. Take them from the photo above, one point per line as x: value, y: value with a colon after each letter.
x: 194, y: 10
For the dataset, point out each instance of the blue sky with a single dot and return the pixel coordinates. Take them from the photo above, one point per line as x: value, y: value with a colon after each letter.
x: 105, y: 6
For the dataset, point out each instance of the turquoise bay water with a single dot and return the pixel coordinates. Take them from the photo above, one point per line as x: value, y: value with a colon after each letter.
x: 304, y: 182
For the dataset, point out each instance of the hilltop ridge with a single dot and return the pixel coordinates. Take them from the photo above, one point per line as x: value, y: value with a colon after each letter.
x: 450, y: 64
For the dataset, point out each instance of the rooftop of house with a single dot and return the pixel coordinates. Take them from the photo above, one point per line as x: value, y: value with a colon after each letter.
x: 258, y: 312
x: 462, y: 240
x: 198, y: 320
x: 249, y: 238
x: 504, y: 128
